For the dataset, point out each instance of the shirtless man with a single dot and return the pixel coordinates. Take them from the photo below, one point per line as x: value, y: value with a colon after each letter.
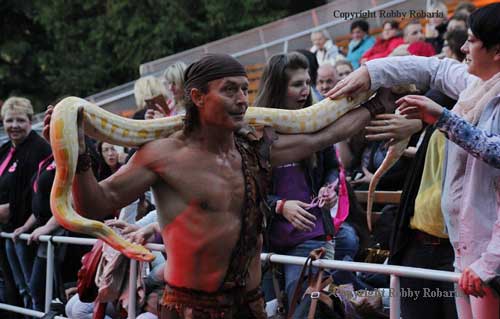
x: 209, y: 185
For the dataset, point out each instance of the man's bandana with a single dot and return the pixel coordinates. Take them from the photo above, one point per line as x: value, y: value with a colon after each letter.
x: 211, y: 67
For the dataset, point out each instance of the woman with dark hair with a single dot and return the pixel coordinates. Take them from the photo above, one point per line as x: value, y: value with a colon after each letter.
x: 297, y: 228
x: 470, y: 192
x: 361, y: 41
x: 108, y: 160
x: 290, y: 69
x: 313, y: 73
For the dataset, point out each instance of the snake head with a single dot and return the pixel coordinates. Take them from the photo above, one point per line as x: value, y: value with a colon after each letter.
x: 138, y: 252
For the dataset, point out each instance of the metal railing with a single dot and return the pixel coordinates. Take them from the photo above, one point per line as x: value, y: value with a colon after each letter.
x: 395, y: 273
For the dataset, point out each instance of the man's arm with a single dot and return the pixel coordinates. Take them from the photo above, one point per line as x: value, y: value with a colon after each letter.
x: 97, y: 200
x: 295, y: 147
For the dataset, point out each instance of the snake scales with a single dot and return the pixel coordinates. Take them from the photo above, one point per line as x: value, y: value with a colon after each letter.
x: 108, y: 127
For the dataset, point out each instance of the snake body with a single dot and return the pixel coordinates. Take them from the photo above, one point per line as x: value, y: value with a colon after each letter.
x: 111, y: 128
x: 394, y: 152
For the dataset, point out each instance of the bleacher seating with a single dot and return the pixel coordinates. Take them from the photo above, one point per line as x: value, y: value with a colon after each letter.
x: 254, y: 72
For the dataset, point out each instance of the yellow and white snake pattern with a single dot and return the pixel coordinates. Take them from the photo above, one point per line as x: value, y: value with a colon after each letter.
x: 105, y: 126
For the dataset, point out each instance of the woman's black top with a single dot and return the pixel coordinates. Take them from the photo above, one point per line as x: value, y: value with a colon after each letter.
x: 42, y: 185
x: 15, y: 182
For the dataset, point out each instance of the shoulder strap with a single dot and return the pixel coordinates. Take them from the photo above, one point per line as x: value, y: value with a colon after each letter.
x: 298, y: 287
x: 313, y: 255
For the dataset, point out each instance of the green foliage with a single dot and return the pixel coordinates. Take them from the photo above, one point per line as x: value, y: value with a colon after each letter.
x: 53, y: 48
x: 21, y: 39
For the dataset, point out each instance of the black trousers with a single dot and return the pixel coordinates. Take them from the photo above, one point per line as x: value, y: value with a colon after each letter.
x: 421, y: 298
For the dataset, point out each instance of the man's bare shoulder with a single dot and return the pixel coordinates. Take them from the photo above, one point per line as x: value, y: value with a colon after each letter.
x: 160, y: 151
x: 164, y: 146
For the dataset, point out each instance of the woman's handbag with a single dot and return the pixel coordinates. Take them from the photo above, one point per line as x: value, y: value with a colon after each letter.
x: 328, y: 304
x: 86, y: 287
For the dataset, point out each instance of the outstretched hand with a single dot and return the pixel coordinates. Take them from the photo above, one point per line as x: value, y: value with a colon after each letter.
x: 355, y: 83
x: 392, y: 127
x: 419, y: 107
x: 144, y: 234
x: 125, y: 227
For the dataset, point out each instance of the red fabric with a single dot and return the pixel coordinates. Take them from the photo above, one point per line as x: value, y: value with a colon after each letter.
x: 99, y: 310
x: 7, y: 159
x: 421, y: 48
x: 382, y: 48
x: 86, y: 287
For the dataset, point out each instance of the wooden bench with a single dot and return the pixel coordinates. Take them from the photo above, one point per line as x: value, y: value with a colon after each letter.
x: 254, y: 72
x: 381, y: 197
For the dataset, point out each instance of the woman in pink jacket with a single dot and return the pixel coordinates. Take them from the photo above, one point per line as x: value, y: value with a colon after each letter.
x: 386, y: 43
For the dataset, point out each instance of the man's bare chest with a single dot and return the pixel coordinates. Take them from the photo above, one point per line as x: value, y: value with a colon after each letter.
x: 214, y: 183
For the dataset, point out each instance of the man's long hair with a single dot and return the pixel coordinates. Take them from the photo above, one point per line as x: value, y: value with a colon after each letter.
x: 192, y: 118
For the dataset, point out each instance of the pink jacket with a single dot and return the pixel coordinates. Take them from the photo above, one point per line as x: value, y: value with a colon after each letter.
x: 382, y: 48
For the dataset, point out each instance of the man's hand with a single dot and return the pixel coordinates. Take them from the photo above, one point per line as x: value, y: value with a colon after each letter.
x: 295, y: 212
x: 81, y: 133
x: 419, y: 107
x: 356, y: 82
x: 392, y: 127
x: 471, y: 284
x: 46, y: 122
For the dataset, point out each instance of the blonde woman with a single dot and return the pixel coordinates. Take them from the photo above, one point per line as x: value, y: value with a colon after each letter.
x: 174, y: 78
x: 150, y: 93
x: 19, y: 158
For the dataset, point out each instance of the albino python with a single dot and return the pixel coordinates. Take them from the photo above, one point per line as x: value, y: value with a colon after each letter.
x: 111, y: 128
x: 393, y: 154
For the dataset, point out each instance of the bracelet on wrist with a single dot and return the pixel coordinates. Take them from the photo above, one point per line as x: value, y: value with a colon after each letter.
x: 84, y: 162
x: 374, y: 107
x: 279, y: 206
